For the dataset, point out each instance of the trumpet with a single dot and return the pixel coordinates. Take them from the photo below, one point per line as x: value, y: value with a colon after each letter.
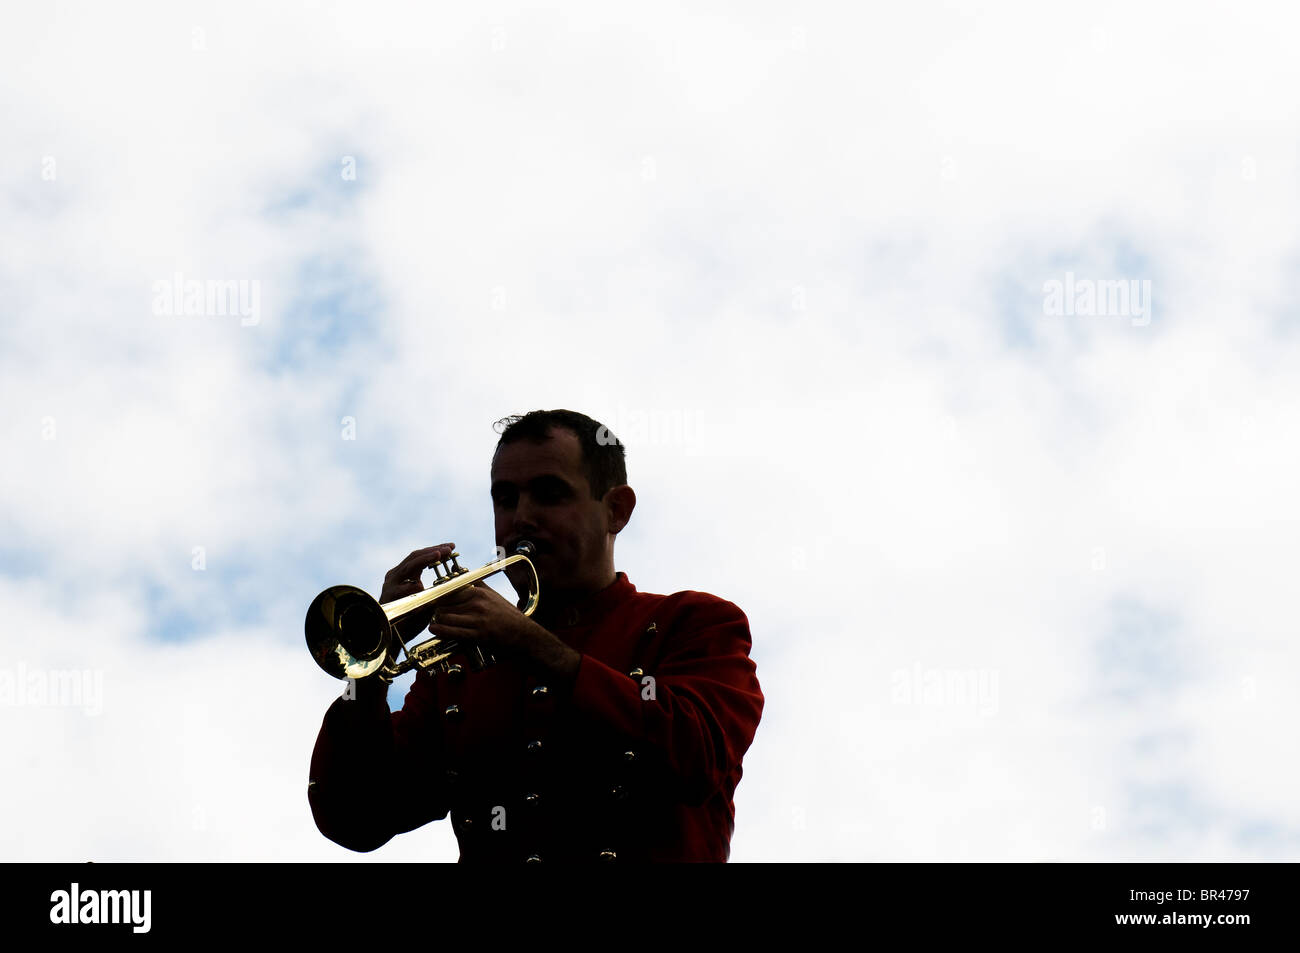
x: 352, y: 635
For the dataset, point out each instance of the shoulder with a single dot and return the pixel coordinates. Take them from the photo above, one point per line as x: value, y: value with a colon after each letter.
x: 693, y: 608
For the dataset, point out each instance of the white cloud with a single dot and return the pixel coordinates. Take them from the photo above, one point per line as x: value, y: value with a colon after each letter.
x: 824, y: 234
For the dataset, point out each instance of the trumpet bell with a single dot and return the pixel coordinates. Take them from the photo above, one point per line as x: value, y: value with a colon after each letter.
x: 347, y: 632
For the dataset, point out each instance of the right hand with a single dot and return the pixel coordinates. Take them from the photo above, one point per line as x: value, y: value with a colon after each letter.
x: 404, y: 580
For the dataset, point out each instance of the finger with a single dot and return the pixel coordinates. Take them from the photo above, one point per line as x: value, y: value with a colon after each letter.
x: 457, y: 633
x: 395, y: 589
x: 450, y: 615
x: 398, y: 590
x: 457, y: 596
x: 404, y: 578
x: 420, y: 560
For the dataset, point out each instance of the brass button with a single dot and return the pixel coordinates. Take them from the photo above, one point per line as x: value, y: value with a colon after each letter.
x: 534, y: 747
x: 608, y: 855
x: 540, y: 691
x: 466, y: 822
x: 636, y: 673
x: 533, y: 859
x: 629, y: 756
x: 453, y: 713
x: 532, y: 800
x: 617, y: 792
x: 455, y: 673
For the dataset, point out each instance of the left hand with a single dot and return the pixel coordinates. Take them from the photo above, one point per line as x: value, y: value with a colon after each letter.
x: 480, y: 613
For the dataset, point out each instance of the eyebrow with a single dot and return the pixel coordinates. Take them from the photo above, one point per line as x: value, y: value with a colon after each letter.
x: 537, y: 482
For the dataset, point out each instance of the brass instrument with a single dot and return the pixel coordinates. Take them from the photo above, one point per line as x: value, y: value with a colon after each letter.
x: 351, y: 635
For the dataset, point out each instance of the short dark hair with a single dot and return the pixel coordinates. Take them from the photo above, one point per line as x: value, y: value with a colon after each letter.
x: 602, y: 453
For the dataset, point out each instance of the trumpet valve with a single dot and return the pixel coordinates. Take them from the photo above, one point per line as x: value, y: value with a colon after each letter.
x: 447, y: 568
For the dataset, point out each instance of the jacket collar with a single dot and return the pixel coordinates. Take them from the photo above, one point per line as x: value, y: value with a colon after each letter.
x: 595, y: 606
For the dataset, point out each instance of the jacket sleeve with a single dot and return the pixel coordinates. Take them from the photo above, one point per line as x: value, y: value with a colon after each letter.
x: 375, y: 773
x: 698, y: 716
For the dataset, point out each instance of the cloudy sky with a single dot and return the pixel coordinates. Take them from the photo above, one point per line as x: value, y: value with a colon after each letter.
x: 953, y: 345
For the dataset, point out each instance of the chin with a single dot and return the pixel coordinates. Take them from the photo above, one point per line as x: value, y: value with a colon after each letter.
x: 552, y: 581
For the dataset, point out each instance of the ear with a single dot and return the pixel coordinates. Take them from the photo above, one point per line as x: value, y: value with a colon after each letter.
x: 619, y: 503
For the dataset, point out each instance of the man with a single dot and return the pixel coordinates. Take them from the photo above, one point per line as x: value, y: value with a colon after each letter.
x: 612, y: 727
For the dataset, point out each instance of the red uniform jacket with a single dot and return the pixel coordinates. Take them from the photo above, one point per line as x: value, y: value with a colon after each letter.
x: 637, y: 762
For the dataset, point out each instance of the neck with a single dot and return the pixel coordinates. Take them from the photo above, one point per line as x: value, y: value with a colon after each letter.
x: 555, y: 600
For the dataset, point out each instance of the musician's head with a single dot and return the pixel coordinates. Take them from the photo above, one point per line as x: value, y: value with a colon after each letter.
x: 559, y: 479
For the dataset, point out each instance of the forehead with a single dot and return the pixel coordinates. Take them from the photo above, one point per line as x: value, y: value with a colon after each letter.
x: 523, y: 460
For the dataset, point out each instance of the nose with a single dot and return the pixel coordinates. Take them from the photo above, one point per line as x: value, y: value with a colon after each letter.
x: 524, y: 523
